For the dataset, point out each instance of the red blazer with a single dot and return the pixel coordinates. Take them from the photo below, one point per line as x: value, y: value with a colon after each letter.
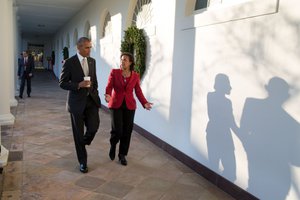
x: 118, y: 91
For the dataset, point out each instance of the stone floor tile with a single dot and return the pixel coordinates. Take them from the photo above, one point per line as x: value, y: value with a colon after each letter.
x: 143, y: 193
x: 66, y: 176
x: 12, y: 182
x: 96, y: 196
x: 193, y: 179
x: 155, y: 159
x: 186, y: 192
x: 14, y: 167
x: 155, y: 183
x: 11, y: 195
x: 40, y: 158
x: 134, y: 174
x: 114, y: 189
x: 67, y: 193
x: 108, y: 171
x: 89, y: 182
x: 167, y: 172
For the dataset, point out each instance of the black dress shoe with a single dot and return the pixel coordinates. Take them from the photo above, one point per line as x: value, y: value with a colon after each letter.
x: 112, y: 152
x: 20, y: 96
x: 122, y: 160
x: 83, y: 168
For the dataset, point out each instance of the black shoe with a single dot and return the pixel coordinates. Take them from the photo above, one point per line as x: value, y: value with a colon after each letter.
x: 83, y: 168
x: 112, y: 152
x: 122, y: 160
x: 20, y: 96
x: 28, y: 95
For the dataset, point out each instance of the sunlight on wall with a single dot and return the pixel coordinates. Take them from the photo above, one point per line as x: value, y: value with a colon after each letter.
x: 250, y: 63
x: 94, y: 38
x: 110, y: 44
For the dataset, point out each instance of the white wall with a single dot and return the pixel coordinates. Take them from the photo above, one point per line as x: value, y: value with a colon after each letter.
x: 250, y: 43
x: 250, y: 52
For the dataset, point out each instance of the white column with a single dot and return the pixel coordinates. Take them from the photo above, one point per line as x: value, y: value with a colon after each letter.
x: 6, y: 118
x: 17, y: 50
x: 12, y: 56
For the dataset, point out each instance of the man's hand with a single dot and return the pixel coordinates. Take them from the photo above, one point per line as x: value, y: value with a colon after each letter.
x: 84, y: 84
x: 107, y: 97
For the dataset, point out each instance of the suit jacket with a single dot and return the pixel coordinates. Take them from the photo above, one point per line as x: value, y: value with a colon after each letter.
x: 71, y: 75
x: 24, y: 69
x: 118, y: 91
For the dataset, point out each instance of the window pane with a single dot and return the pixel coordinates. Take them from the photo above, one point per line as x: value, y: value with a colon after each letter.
x: 200, y: 4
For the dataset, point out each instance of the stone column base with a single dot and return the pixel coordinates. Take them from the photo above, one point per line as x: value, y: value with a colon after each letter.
x: 13, y: 102
x: 7, y: 119
x: 3, y: 157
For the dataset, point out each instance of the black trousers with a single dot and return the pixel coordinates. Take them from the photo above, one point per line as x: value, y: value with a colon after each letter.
x: 89, y: 119
x: 22, y: 86
x: 121, y: 127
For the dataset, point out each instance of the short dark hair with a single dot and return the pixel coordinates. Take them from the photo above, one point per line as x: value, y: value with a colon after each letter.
x: 131, y: 59
x: 82, y: 40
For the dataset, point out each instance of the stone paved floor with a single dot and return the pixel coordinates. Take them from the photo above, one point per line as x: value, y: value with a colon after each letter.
x: 43, y: 164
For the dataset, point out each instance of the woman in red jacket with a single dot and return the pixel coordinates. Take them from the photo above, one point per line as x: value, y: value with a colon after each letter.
x: 122, y: 105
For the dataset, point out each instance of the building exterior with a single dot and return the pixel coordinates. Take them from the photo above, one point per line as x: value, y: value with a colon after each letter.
x: 230, y: 60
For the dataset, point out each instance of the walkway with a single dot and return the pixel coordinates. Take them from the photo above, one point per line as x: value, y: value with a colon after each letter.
x: 43, y: 164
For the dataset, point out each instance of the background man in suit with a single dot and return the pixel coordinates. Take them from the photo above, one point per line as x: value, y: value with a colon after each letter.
x: 26, y: 66
x: 83, y: 100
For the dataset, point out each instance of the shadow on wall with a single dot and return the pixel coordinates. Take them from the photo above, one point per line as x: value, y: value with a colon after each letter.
x: 271, y: 138
x: 221, y: 121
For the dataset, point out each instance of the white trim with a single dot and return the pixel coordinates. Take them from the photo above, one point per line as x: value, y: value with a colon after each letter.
x: 7, y: 119
x: 3, y: 156
x: 13, y: 102
x: 230, y: 12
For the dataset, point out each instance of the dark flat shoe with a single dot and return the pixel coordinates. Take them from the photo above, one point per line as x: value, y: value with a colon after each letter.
x: 122, y: 160
x: 83, y: 168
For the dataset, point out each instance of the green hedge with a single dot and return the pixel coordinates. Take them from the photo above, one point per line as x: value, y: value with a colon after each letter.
x: 65, y: 53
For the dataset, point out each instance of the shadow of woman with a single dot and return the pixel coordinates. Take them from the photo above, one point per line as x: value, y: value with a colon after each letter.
x: 221, y: 121
x: 270, y: 137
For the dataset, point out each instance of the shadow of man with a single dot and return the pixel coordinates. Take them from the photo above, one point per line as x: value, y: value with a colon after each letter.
x: 270, y: 137
x: 221, y: 121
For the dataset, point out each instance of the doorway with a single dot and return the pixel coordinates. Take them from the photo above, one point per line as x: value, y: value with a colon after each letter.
x: 37, y: 51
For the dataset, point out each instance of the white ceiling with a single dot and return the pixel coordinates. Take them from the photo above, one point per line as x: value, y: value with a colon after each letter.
x: 45, y: 17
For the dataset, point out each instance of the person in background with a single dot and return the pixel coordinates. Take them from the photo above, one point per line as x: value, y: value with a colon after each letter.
x: 122, y: 105
x: 83, y: 101
x: 26, y: 66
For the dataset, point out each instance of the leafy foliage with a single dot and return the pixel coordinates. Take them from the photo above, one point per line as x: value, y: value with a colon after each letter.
x: 135, y: 43
x: 65, y: 53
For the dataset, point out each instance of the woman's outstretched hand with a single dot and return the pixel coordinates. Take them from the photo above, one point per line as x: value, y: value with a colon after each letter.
x: 148, y: 106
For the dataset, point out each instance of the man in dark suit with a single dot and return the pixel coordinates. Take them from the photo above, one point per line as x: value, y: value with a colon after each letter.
x: 83, y: 100
x: 26, y: 66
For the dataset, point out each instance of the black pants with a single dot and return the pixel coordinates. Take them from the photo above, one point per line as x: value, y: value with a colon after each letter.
x: 22, y: 86
x: 90, y: 119
x: 121, y: 127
